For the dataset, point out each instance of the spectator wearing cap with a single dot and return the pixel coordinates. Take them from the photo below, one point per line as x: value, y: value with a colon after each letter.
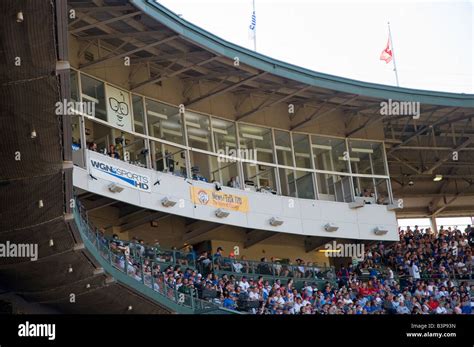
x: 218, y: 258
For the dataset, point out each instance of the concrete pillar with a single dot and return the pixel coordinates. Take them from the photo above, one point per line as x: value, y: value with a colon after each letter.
x: 434, y: 225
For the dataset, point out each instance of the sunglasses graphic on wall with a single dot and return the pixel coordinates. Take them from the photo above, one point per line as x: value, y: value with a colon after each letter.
x: 119, y: 106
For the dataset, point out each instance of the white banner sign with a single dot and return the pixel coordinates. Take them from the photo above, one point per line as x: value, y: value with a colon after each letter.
x: 119, y: 112
x: 113, y: 170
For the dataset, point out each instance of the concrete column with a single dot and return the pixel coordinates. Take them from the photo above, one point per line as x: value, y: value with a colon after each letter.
x: 434, y: 225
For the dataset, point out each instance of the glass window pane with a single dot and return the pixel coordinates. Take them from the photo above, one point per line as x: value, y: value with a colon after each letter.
x: 367, y: 157
x: 115, y: 143
x: 334, y: 187
x: 304, y: 184
x: 287, y: 182
x: 378, y: 159
x: 257, y: 139
x: 77, y: 155
x: 329, y: 153
x: 93, y: 91
x: 74, y: 86
x: 360, y: 157
x: 168, y: 158
x: 98, y: 137
x: 76, y: 132
x: 199, y: 131
x: 202, y: 165
x: 259, y: 178
x: 364, y: 187
x: 138, y: 114
x: 381, y: 191
x: 224, y: 135
x: 283, y: 148
x: 227, y: 173
x: 302, y: 151
x: 164, y: 121
x: 132, y: 147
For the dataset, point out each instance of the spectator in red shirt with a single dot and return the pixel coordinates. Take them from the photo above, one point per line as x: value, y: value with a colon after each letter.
x: 364, y: 290
x: 433, y: 303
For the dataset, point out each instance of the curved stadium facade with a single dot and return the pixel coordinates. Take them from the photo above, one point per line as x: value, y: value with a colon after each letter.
x: 134, y: 141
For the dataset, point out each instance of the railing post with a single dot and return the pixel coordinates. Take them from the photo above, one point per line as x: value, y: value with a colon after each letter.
x: 110, y: 254
x: 152, y: 278
x: 97, y: 241
x: 125, y: 264
x: 193, y: 304
x: 142, y: 270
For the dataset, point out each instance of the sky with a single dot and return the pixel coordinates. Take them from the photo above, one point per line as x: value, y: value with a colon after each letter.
x: 432, y: 40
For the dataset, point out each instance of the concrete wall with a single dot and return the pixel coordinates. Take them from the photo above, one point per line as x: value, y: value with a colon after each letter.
x: 171, y: 230
x: 299, y: 216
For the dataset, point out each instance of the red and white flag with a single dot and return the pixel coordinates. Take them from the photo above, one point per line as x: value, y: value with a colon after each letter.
x: 387, y: 54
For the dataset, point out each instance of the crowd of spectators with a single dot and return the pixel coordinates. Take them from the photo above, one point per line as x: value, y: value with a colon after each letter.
x: 423, y: 273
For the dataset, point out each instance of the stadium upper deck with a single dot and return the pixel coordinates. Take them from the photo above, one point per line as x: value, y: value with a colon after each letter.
x: 144, y: 48
x: 142, y: 51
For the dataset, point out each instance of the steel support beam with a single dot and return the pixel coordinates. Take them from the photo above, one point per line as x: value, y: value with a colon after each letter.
x: 317, y: 116
x: 261, y: 107
x: 108, y: 21
x: 119, y: 35
x: 405, y: 164
x: 311, y: 243
x: 257, y: 236
x: 142, y: 220
x: 423, y: 130
x: 124, y: 54
x: 90, y: 9
x: 204, y: 228
x: 174, y: 73
x: 447, y: 157
x: 98, y: 204
x: 224, y: 90
x: 456, y: 196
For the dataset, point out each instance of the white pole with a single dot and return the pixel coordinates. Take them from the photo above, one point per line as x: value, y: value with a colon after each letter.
x: 393, y: 54
x: 255, y: 29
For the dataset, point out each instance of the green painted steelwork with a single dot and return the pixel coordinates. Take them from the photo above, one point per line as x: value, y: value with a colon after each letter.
x: 104, y: 256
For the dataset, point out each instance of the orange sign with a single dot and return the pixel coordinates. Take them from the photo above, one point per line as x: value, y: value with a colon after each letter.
x: 219, y: 199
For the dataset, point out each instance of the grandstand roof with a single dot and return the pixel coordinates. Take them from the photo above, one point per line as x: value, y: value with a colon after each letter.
x: 417, y: 148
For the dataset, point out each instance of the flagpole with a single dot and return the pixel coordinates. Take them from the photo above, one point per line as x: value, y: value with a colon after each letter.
x: 255, y: 30
x: 393, y: 54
